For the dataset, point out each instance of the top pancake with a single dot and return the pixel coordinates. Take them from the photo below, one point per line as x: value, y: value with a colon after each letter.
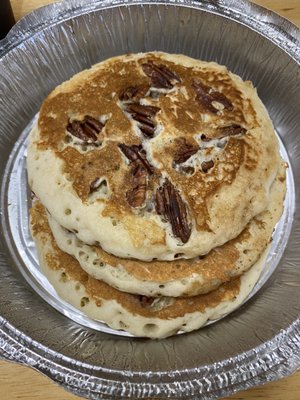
x: 153, y: 156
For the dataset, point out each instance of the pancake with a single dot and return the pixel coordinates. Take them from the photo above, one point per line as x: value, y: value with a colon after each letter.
x: 153, y: 156
x: 179, y: 277
x: 139, y: 315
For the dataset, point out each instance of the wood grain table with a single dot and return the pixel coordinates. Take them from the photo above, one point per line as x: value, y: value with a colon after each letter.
x: 22, y: 383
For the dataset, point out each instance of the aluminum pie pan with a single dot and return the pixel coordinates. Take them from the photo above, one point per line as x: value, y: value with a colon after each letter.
x: 250, y: 347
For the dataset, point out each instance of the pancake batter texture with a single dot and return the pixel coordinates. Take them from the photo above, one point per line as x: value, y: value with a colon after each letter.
x: 159, y: 177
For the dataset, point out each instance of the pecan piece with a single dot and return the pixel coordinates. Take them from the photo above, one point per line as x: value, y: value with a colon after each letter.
x: 33, y: 196
x: 146, y: 301
x: 231, y: 130
x: 204, y: 138
x: 137, y: 195
x: 170, y: 205
x: 144, y: 116
x: 134, y: 93
x: 206, y: 97
x: 185, y: 151
x: 86, y: 130
x: 98, y: 183
x: 161, y: 76
x: 187, y: 170
x: 95, y: 184
x: 136, y: 153
x: 207, y: 165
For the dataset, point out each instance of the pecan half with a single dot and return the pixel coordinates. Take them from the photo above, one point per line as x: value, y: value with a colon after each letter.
x: 86, y: 130
x: 146, y: 301
x: 144, y: 116
x: 137, y: 195
x: 170, y: 205
x: 134, y: 93
x: 161, y: 76
x: 136, y: 153
x: 207, y: 165
x: 206, y: 96
x: 185, y: 151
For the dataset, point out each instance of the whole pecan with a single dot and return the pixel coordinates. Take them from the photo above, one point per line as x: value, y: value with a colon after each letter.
x: 170, y: 205
x: 206, y: 97
x: 161, y: 76
x: 86, y: 130
x: 141, y: 169
x: 184, y: 151
x: 137, y: 195
x: 144, y: 116
x: 134, y: 93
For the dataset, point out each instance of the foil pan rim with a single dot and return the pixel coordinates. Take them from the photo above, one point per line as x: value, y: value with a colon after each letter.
x: 278, y: 357
x: 279, y: 30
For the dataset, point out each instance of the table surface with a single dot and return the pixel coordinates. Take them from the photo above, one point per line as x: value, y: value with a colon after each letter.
x: 20, y: 383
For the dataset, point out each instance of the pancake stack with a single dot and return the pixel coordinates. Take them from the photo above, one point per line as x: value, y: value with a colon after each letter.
x: 158, y: 184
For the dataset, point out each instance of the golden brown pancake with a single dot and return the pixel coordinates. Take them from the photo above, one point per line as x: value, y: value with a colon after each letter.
x: 180, y: 277
x: 139, y: 315
x: 154, y: 156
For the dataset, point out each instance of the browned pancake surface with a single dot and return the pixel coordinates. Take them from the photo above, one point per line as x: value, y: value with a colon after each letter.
x: 181, y: 115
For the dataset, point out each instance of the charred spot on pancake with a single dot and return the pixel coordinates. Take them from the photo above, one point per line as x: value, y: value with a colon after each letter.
x: 184, y: 151
x: 86, y: 130
x: 136, y: 153
x: 137, y: 195
x: 170, y: 205
x: 144, y: 115
x: 133, y: 93
x: 207, y: 97
x: 161, y: 76
x: 207, y: 165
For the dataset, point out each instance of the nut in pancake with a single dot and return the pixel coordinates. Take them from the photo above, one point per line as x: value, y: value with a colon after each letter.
x: 210, y: 144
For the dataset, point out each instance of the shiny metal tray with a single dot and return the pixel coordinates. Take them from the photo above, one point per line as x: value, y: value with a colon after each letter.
x: 258, y: 343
